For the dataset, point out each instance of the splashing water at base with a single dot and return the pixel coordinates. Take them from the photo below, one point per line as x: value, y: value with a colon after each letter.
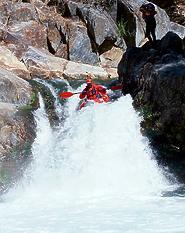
x: 95, y: 174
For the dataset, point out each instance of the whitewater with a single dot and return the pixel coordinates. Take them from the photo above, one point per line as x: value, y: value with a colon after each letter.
x: 93, y: 173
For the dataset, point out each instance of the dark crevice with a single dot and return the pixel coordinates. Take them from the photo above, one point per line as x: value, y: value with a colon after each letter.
x: 65, y: 40
x: 126, y: 17
x: 50, y: 48
x: 65, y: 12
x: 90, y: 32
x: 105, y: 46
x: 61, y: 7
x: 62, y: 36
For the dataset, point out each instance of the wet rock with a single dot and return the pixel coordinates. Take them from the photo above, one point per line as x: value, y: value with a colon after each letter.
x: 17, y: 127
x: 13, y: 89
x: 155, y: 77
x: 15, y: 130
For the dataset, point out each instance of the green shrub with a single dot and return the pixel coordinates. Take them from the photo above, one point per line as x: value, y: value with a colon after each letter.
x: 123, y: 30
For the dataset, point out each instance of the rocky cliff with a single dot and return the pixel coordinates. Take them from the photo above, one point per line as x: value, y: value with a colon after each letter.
x: 155, y: 76
x: 174, y: 8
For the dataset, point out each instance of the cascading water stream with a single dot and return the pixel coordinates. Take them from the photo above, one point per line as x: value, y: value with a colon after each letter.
x: 94, y: 174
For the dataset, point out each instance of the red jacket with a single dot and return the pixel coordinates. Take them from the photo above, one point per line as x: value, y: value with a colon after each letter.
x: 94, y: 92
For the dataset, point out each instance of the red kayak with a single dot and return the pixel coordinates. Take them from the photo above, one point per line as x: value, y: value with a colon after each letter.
x: 85, y: 102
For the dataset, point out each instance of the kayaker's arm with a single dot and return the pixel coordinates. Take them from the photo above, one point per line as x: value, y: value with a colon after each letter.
x: 83, y: 94
x: 101, y: 89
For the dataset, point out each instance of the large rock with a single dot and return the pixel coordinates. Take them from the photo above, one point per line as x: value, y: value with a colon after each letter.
x: 56, y: 25
x: 10, y: 62
x: 102, y: 28
x: 41, y: 63
x: 81, y: 38
x: 34, y: 24
x: 111, y: 58
x: 14, y: 89
x: 80, y: 48
x: 22, y: 12
x: 79, y: 71
x: 53, y: 37
x: 15, y: 130
x: 16, y: 125
x: 5, y: 7
x: 24, y: 34
x: 21, y: 27
x: 67, y: 38
x: 7, y: 112
x: 155, y: 77
x: 175, y: 9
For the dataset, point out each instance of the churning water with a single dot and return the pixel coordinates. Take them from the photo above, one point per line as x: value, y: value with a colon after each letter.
x: 93, y: 174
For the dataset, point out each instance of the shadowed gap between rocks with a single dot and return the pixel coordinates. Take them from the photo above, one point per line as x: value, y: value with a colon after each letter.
x: 90, y: 33
x: 126, y: 18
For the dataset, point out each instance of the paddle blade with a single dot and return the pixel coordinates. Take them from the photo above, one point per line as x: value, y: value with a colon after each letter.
x: 66, y: 94
x: 117, y: 87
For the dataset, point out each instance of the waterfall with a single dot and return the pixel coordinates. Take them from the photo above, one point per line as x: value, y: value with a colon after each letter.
x: 94, y: 173
x: 92, y: 151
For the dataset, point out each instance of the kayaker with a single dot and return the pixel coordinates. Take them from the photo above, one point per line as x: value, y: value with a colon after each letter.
x: 94, y: 92
x: 148, y: 14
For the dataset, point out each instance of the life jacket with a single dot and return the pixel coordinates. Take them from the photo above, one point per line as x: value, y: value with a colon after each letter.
x: 93, y: 93
x: 96, y: 93
x: 104, y: 99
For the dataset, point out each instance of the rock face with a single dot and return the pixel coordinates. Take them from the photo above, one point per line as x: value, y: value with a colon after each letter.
x: 174, y: 8
x: 16, y: 131
x: 10, y: 62
x: 16, y: 128
x: 85, y: 33
x: 41, y: 63
x: 80, y: 49
x: 155, y: 76
x: 75, y: 30
x: 14, y: 89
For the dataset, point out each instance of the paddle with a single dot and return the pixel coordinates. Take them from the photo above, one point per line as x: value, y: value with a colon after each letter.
x: 116, y: 88
x: 68, y: 94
